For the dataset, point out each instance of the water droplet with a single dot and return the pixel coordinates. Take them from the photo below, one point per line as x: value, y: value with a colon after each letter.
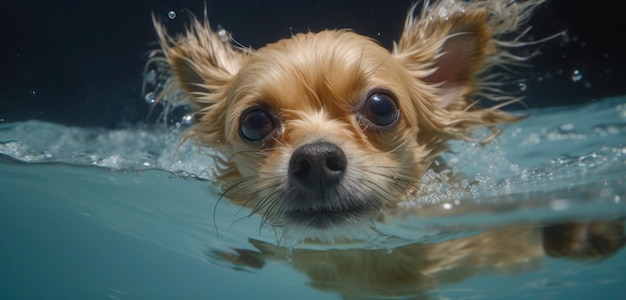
x: 576, y: 76
x: 171, y: 15
x: 222, y: 34
x: 149, y: 98
x: 150, y: 76
x: 188, y: 119
x: 522, y: 86
x: 559, y: 204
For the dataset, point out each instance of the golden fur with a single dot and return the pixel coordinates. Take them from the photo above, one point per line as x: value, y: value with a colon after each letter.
x: 313, y: 84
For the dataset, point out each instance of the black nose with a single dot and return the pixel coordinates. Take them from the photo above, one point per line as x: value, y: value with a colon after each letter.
x: 318, y: 165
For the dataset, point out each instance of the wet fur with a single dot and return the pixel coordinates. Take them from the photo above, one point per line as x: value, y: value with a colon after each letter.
x: 446, y: 57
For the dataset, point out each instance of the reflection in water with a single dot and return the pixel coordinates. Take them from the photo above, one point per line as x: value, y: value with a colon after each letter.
x: 418, y: 268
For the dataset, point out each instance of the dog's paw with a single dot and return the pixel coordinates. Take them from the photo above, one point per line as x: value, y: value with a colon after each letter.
x: 597, y: 239
x: 246, y: 258
x: 240, y: 259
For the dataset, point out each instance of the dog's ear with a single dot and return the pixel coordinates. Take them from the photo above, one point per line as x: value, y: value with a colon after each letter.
x: 452, y: 50
x: 203, y: 62
x: 202, y: 65
x: 446, y: 52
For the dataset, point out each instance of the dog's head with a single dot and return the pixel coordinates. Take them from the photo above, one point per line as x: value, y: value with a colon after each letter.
x: 323, y: 130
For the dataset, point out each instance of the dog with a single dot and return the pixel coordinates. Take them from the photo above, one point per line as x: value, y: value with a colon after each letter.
x: 324, y: 134
x: 321, y: 132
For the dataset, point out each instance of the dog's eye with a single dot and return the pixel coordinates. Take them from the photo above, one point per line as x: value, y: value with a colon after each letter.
x: 256, y: 124
x: 380, y: 109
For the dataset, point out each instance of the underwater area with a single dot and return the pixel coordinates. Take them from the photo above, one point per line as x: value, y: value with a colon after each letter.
x: 100, y: 198
x: 132, y: 214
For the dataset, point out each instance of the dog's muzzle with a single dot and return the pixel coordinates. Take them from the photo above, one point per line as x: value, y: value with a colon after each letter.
x: 318, y: 166
x: 318, y: 197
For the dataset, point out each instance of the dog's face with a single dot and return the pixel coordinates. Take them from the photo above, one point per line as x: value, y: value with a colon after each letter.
x: 319, y: 130
x: 322, y: 131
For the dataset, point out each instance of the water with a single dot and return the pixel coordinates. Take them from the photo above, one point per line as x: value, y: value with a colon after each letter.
x: 132, y: 214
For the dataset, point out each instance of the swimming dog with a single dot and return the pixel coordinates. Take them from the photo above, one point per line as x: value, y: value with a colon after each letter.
x: 323, y: 133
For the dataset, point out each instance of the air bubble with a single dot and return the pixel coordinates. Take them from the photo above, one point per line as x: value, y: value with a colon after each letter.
x: 187, y: 119
x: 150, y: 77
x: 149, y: 98
x: 559, y: 205
x: 522, y: 86
x: 171, y: 15
x: 223, y: 34
x: 576, y: 76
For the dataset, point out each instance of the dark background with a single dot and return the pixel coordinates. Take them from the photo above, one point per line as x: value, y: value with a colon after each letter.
x: 81, y: 62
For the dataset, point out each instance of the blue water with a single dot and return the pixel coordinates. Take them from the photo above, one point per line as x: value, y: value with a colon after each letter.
x: 132, y: 214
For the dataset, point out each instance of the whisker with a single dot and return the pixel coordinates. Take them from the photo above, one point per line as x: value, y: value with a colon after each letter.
x: 226, y: 193
x: 237, y: 184
x: 229, y: 187
x: 275, y: 208
x: 263, y: 203
x: 257, y: 208
x: 409, y: 180
x: 269, y: 214
x: 383, y: 193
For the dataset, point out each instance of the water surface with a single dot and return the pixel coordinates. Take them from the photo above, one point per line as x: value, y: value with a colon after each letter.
x: 132, y: 214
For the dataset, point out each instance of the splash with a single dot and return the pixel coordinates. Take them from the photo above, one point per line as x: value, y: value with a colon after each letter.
x: 559, y: 161
x: 138, y: 148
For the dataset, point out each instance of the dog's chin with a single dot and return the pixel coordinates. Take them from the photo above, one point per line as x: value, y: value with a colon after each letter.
x: 331, y: 228
x: 328, y: 218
